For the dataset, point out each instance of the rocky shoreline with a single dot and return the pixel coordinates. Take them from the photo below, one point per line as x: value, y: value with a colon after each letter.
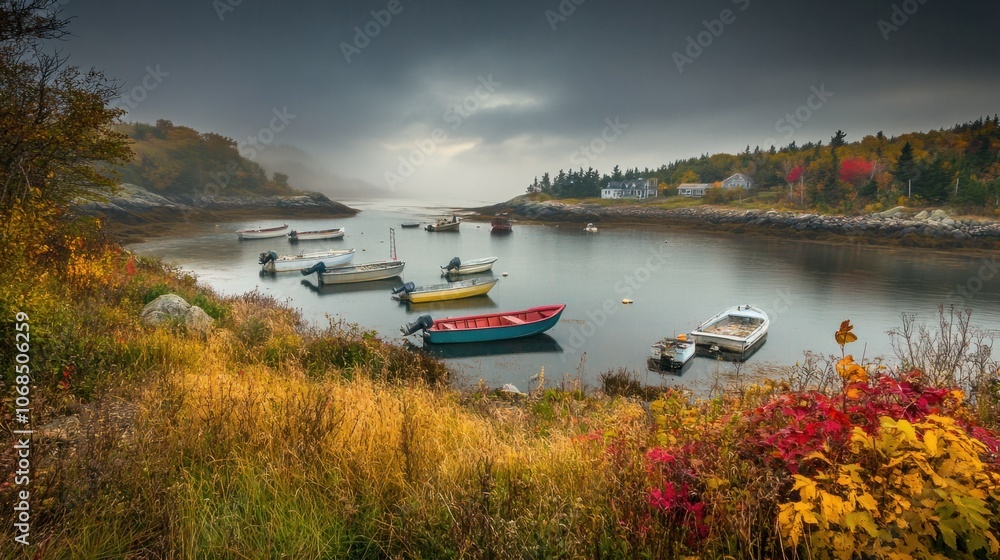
x: 134, y: 205
x: 898, y: 226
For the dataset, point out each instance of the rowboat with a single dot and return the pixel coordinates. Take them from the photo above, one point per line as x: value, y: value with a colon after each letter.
x: 671, y: 353
x: 262, y: 233
x: 410, y: 224
x: 590, y: 228
x: 501, y: 224
x: 272, y: 262
x: 442, y: 292
x: 484, y: 328
x: 456, y: 266
x: 738, y: 330
x: 366, y: 272
x: 445, y: 224
x: 332, y: 233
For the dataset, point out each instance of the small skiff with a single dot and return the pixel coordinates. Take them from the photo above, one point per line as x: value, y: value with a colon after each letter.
x: 332, y: 233
x: 445, y: 224
x: 262, y: 233
x: 442, y: 292
x: 483, y: 328
x: 472, y: 266
x: 737, y: 330
x: 272, y: 262
x: 671, y: 353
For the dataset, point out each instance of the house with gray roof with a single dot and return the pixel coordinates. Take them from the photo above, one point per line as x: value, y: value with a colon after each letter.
x: 738, y: 181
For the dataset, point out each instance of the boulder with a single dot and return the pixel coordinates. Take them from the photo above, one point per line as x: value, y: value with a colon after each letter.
x: 892, y: 213
x: 922, y: 216
x: 172, y: 308
x: 938, y: 215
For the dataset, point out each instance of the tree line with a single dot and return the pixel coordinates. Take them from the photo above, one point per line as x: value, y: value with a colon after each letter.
x: 959, y: 166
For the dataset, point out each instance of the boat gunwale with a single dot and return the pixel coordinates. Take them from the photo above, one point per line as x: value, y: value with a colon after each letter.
x: 559, y: 308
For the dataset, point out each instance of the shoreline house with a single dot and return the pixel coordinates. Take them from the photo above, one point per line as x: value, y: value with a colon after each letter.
x: 738, y: 181
x: 632, y: 188
x: 693, y: 189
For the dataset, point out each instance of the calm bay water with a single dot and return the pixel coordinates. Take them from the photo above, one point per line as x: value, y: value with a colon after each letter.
x: 676, y: 279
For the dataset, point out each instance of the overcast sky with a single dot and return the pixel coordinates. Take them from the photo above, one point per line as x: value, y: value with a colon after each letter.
x: 472, y: 100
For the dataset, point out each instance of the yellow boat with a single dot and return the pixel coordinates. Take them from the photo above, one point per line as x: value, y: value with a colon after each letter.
x: 443, y: 292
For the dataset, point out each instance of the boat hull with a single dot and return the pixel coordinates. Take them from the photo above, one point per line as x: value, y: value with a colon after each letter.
x: 495, y: 326
x: 450, y: 226
x: 297, y: 263
x: 367, y: 272
x: 672, y: 353
x: 447, y: 292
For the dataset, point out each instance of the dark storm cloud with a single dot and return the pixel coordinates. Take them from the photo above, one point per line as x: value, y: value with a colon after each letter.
x: 512, y: 89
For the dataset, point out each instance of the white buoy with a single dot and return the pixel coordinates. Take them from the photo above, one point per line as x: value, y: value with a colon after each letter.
x: 626, y: 301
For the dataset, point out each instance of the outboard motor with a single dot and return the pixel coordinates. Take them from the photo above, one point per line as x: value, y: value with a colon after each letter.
x: 423, y: 322
x: 293, y: 235
x: 267, y: 257
x: 318, y: 267
x: 407, y: 287
x: 454, y: 264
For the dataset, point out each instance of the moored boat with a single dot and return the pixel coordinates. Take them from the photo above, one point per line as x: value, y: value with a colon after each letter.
x: 590, y: 228
x: 332, y: 233
x: 472, y: 266
x: 410, y: 224
x: 272, y: 262
x: 483, y: 328
x: 364, y: 272
x: 737, y: 331
x: 262, y: 232
x: 442, y: 292
x: 445, y: 224
x: 501, y: 224
x: 671, y: 353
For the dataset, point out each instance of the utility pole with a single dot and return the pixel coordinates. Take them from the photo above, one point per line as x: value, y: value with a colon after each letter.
x: 909, y: 188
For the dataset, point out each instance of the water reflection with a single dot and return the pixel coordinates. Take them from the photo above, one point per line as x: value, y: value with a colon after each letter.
x: 372, y: 285
x: 474, y: 302
x: 539, y: 343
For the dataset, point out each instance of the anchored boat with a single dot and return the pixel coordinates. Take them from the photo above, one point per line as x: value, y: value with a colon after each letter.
x: 671, y: 353
x: 483, y: 328
x: 261, y: 232
x: 738, y: 331
x: 445, y: 224
x: 365, y: 272
x: 457, y: 266
x: 442, y: 292
x: 332, y: 233
x: 272, y: 262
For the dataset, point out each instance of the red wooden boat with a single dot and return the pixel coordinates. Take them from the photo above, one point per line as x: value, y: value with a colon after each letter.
x: 491, y: 326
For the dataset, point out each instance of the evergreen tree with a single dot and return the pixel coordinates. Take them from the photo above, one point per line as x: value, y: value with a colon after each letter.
x: 905, y: 170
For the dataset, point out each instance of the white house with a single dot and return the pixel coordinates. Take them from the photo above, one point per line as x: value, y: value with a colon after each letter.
x: 632, y: 188
x: 693, y: 189
x: 738, y: 181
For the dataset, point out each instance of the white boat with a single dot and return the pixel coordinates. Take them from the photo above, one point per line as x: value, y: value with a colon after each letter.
x: 272, y: 262
x: 445, y: 224
x: 671, y: 353
x: 472, y: 266
x: 590, y: 228
x: 262, y: 232
x: 332, y: 233
x: 738, y: 330
x: 366, y: 272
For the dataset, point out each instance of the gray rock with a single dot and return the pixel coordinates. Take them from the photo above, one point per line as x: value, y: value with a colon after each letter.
x: 171, y: 308
x: 922, y: 216
x: 893, y: 212
x: 939, y: 215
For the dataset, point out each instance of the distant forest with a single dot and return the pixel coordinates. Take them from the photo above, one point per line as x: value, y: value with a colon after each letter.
x: 958, y: 166
x: 177, y: 160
